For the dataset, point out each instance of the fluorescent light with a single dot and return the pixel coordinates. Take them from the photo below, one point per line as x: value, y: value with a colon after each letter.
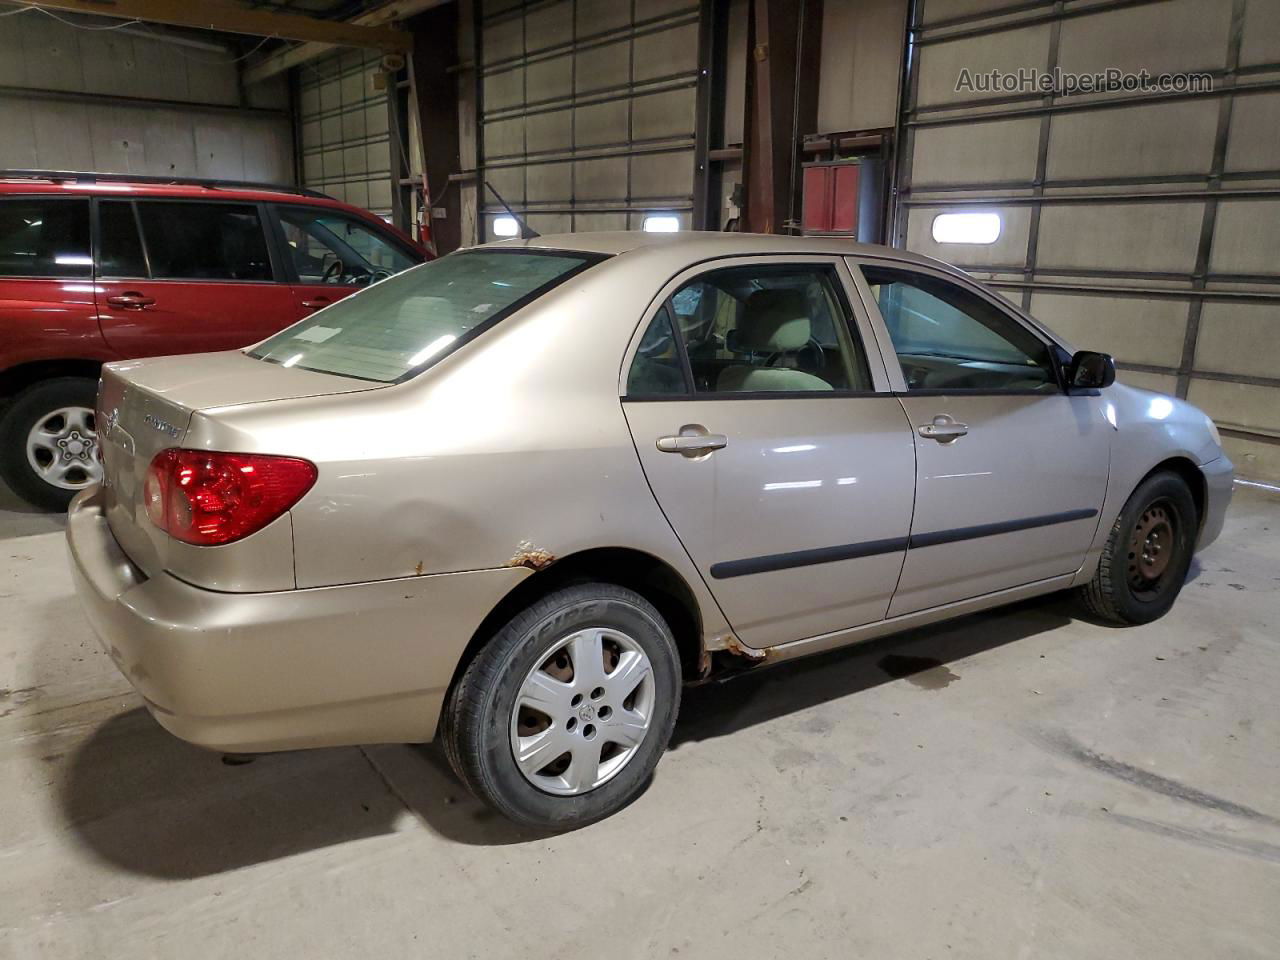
x: 292, y: 360
x: 662, y: 223
x: 73, y: 260
x: 966, y: 227
x: 431, y: 349
x: 506, y: 227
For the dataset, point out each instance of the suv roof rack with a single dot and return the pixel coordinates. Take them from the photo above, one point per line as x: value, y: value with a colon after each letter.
x: 77, y: 176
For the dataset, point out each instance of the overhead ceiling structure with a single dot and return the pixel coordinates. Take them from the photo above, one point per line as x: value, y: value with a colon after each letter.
x: 230, y: 17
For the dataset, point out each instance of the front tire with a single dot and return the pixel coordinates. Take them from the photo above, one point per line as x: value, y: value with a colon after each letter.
x: 562, y: 716
x: 48, y: 442
x: 1147, y: 554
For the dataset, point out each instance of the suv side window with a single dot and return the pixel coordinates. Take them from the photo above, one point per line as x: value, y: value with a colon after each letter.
x: 949, y: 338
x: 204, y: 241
x: 767, y: 328
x: 327, y: 247
x: 44, y: 237
x: 119, y: 243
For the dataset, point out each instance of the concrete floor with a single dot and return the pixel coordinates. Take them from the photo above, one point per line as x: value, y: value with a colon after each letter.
x: 1053, y: 788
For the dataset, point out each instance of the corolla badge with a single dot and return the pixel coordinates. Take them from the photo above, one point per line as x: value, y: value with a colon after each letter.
x: 164, y: 426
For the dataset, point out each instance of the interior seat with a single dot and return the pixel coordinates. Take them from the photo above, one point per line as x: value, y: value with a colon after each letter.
x: 773, y: 322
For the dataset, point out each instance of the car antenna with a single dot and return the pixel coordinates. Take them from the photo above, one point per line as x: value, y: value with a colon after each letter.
x: 526, y: 231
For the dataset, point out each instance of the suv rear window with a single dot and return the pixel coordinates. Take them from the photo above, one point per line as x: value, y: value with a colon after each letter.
x: 399, y: 327
x: 44, y: 237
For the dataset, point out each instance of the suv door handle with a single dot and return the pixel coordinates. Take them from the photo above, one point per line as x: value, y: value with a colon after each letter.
x: 316, y: 303
x: 692, y: 443
x: 943, y: 429
x: 130, y: 300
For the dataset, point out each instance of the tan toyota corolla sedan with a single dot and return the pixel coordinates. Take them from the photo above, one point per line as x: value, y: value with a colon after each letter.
x: 520, y: 495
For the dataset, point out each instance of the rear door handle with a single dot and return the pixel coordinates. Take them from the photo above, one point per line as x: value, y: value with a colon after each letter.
x: 130, y: 300
x: 317, y: 303
x: 943, y: 429
x: 692, y: 443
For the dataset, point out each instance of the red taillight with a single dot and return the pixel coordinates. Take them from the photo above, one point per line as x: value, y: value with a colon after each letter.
x: 207, y: 498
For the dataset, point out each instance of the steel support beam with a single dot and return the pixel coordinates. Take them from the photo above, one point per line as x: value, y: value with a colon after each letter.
x: 229, y: 17
x: 282, y: 60
x: 782, y: 105
x: 436, y: 91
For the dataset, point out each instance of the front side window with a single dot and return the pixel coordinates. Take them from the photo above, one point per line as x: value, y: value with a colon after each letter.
x: 204, y: 241
x: 767, y: 328
x: 330, y: 248
x: 44, y: 237
x: 949, y: 338
x: 399, y: 327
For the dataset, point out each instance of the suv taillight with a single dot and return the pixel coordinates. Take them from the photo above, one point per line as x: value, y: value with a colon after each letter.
x: 206, y: 497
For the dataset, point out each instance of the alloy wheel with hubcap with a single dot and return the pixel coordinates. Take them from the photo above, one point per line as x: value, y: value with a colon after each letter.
x: 561, y: 716
x: 62, y: 448
x: 49, y: 448
x: 582, y: 712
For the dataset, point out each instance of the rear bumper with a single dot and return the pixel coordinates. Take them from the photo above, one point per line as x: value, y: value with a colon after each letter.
x: 1218, y: 477
x: 246, y: 672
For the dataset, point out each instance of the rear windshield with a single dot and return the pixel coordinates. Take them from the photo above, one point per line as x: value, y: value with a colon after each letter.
x: 402, y: 325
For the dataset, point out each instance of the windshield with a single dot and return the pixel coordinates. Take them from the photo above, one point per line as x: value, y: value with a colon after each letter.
x: 399, y: 327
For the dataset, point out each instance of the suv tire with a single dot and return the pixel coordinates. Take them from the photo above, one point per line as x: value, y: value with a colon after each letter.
x: 607, y: 720
x: 39, y: 404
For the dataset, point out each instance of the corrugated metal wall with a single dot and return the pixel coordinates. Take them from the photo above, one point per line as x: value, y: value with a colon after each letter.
x: 344, y: 128
x: 588, y: 110
x: 117, y: 101
x: 1146, y: 225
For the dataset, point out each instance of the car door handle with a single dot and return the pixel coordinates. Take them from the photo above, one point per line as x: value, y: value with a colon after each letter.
x: 693, y: 443
x: 317, y: 303
x: 130, y: 300
x: 943, y: 429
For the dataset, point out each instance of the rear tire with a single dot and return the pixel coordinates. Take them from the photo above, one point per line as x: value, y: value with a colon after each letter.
x: 25, y: 462
x: 1147, y: 554
x: 588, y: 734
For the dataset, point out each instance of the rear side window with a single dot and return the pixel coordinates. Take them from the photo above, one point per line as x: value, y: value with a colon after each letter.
x: 769, y: 329
x: 656, y: 370
x: 44, y: 237
x: 400, y: 326
x: 204, y: 241
x: 119, y: 244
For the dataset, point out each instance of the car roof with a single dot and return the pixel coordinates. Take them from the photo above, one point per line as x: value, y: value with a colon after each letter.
x: 707, y: 244
x: 88, y: 184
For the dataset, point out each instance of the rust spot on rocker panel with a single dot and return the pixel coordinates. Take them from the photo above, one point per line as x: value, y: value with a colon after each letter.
x: 527, y: 555
x: 730, y: 644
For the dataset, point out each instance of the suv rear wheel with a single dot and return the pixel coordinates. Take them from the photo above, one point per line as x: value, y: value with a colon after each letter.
x: 561, y: 718
x: 49, y: 442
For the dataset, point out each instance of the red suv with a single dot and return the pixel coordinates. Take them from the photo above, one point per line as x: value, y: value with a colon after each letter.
x: 96, y: 267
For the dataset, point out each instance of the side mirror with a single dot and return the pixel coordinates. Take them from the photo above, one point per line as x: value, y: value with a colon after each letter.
x: 1091, y: 371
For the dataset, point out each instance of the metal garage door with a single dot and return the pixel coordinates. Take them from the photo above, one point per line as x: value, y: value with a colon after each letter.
x: 343, y: 130
x: 587, y: 110
x: 1137, y: 221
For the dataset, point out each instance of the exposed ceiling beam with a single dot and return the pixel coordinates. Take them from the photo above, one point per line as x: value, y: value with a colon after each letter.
x: 282, y: 60
x: 230, y: 17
